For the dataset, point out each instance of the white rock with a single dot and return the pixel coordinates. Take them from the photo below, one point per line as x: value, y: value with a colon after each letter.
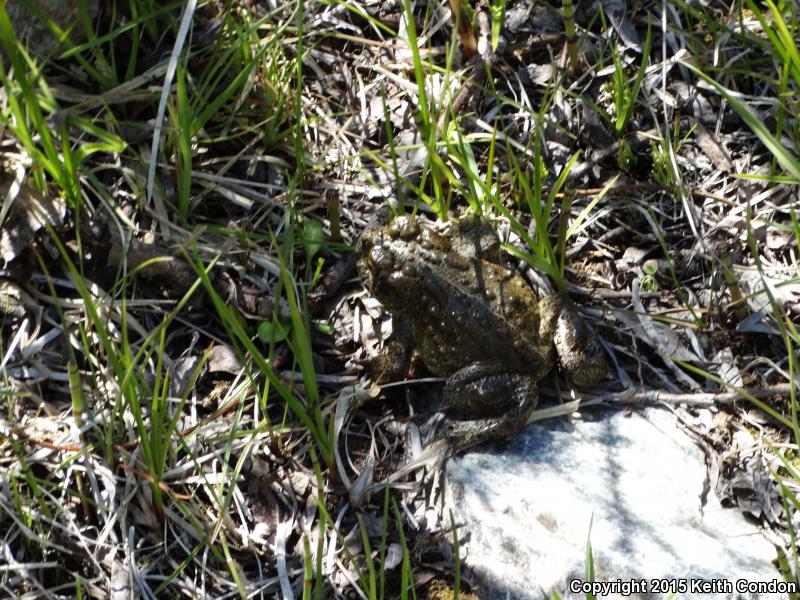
x: 637, y: 482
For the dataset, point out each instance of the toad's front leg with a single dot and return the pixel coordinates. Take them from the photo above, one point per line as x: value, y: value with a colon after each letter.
x: 502, y: 400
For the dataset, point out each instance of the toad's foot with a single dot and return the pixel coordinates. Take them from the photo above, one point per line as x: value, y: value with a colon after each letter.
x: 578, y: 347
x: 487, y: 389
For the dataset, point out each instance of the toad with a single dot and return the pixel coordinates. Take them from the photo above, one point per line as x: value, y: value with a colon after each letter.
x: 472, y: 321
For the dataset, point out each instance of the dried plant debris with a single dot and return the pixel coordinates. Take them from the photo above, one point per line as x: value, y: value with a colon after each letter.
x: 189, y: 405
x: 25, y: 212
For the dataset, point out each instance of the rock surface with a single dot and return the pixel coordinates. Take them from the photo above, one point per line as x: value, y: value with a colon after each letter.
x: 633, y: 486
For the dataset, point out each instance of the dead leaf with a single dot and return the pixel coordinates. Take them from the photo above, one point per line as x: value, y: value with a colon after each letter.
x: 712, y: 148
x: 223, y: 359
x: 29, y: 212
x: 14, y: 301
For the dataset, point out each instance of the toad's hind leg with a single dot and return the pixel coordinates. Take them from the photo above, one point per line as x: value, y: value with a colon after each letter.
x: 485, y: 389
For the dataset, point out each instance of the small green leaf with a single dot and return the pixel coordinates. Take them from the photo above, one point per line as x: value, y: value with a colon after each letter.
x: 272, y: 333
x: 323, y: 327
x: 498, y: 9
x: 313, y: 236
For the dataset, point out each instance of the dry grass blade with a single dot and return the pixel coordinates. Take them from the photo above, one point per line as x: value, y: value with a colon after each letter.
x: 172, y: 66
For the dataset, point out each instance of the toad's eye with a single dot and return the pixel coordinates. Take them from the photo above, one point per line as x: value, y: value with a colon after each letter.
x: 404, y: 228
x: 433, y: 240
x: 379, y: 258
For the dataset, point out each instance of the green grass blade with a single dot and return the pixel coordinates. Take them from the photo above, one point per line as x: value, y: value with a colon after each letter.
x: 783, y: 155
